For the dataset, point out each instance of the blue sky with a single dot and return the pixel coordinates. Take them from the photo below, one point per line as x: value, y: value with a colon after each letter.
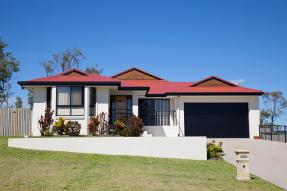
x: 177, y: 40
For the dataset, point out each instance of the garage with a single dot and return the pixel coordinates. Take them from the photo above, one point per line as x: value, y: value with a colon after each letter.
x: 216, y: 120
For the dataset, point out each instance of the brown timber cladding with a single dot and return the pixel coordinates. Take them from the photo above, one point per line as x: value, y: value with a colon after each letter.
x: 15, y: 122
x: 213, y: 83
x: 135, y: 75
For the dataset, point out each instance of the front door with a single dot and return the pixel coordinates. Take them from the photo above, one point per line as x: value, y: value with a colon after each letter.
x: 121, y: 107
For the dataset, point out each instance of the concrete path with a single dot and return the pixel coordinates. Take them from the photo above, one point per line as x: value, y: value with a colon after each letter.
x: 268, y: 159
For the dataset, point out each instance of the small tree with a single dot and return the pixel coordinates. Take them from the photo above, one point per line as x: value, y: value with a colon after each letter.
x: 48, y: 67
x: 2, y: 98
x: 274, y: 106
x: 30, y: 99
x: 18, y: 102
x: 8, y: 66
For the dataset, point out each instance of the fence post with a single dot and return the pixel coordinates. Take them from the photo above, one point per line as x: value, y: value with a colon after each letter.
x: 271, y: 132
x: 285, y: 133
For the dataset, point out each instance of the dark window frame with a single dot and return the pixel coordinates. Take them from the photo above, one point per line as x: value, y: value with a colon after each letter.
x: 70, y: 106
x: 154, y: 115
x: 92, y: 107
x: 48, y: 98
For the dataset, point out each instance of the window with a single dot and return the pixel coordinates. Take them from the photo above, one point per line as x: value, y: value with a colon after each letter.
x: 70, y: 100
x: 93, y: 98
x: 121, y: 107
x: 154, y: 112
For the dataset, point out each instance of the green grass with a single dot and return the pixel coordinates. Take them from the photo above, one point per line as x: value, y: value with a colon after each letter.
x: 39, y: 170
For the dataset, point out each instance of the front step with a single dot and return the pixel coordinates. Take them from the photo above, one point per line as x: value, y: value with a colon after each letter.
x: 146, y: 134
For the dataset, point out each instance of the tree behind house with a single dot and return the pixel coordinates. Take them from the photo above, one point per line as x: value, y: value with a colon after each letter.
x: 18, y: 102
x: 274, y: 106
x: 94, y: 70
x: 30, y: 99
x: 61, y: 62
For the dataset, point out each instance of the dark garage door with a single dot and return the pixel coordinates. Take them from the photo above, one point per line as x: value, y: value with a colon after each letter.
x: 216, y: 120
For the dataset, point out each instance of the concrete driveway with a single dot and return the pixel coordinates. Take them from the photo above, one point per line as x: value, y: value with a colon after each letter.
x: 268, y: 160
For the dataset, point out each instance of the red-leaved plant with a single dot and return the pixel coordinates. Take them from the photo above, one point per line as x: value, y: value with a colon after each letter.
x: 45, y: 123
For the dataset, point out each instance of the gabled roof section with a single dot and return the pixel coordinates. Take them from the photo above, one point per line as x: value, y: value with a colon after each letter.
x: 135, y: 74
x: 73, y: 77
x: 74, y: 71
x: 213, y: 81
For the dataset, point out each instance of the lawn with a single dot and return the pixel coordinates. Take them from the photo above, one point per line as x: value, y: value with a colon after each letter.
x: 39, y: 170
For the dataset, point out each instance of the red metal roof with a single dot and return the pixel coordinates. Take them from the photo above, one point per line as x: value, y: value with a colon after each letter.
x: 68, y: 77
x: 153, y: 87
x: 162, y: 87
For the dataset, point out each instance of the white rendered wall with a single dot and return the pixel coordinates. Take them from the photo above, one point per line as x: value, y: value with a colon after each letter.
x: 39, y: 107
x: 103, y: 100
x: 254, y: 116
x: 253, y: 104
x: 165, y: 147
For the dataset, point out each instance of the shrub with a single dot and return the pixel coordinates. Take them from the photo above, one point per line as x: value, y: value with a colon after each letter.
x: 45, y: 122
x: 214, y: 151
x: 133, y: 127
x: 59, y: 126
x: 93, y: 126
x: 72, y: 128
x: 119, y: 127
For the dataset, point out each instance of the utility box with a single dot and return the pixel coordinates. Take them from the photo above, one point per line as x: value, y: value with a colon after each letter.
x: 242, y: 165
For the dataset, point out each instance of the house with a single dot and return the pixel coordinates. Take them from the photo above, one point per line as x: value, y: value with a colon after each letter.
x: 211, y: 107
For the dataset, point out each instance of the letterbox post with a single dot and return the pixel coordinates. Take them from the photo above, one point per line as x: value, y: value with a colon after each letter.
x: 242, y: 165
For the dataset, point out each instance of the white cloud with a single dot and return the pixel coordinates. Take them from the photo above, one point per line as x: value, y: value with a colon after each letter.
x: 238, y: 82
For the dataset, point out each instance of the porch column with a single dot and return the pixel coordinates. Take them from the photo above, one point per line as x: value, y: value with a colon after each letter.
x: 135, y: 104
x: 180, y: 116
x: 84, y: 129
x: 103, y: 100
x: 53, y: 101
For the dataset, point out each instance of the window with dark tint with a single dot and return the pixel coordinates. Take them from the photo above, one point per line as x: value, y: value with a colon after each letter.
x: 70, y: 100
x: 154, y: 112
x: 93, y: 98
